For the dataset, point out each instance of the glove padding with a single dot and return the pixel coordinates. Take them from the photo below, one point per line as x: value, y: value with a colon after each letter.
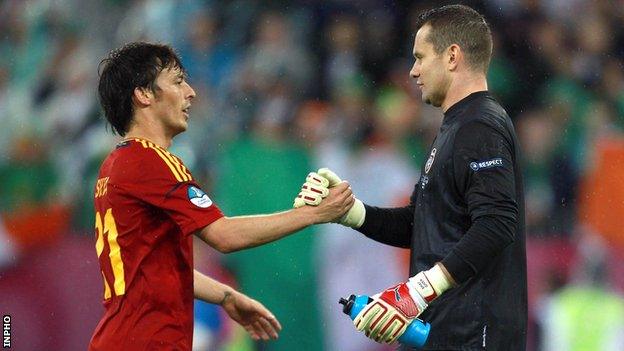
x: 313, y: 191
x: 332, y: 178
x: 354, y: 218
x: 387, y: 317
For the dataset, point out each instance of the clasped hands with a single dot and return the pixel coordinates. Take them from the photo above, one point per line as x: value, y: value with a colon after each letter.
x: 318, y: 186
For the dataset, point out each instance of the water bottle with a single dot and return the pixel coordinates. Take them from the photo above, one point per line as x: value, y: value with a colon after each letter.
x: 414, y: 336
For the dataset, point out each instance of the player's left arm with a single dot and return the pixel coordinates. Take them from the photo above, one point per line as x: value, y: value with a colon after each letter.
x: 484, y: 173
x: 228, y: 234
x: 259, y: 322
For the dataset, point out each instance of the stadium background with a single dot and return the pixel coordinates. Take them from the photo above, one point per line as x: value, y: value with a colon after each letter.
x: 283, y: 88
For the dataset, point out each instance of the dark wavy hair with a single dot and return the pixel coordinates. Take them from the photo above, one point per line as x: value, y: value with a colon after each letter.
x: 461, y: 25
x: 135, y: 65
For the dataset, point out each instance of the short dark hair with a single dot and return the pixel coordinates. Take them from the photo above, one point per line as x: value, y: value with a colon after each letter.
x: 135, y: 65
x: 461, y: 25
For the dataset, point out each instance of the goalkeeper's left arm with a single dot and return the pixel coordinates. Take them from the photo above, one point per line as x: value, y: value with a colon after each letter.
x: 390, y: 312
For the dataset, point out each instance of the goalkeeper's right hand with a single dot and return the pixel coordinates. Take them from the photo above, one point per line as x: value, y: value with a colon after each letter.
x: 312, y: 193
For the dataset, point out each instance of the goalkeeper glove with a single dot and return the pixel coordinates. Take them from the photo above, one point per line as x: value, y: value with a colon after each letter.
x: 354, y: 218
x: 313, y: 191
x: 386, y: 318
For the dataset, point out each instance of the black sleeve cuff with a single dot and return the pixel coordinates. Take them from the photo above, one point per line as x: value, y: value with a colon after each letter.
x: 459, y: 269
x: 366, y: 227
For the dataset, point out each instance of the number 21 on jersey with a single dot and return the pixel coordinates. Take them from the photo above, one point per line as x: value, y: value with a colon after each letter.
x: 106, y: 227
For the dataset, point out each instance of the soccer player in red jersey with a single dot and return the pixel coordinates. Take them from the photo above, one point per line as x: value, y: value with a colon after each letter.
x: 148, y: 204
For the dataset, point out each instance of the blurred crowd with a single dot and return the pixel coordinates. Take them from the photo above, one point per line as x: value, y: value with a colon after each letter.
x: 284, y: 87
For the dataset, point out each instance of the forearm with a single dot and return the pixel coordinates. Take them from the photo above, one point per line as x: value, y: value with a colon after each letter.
x: 391, y: 226
x: 210, y: 290
x: 487, y: 237
x: 230, y: 234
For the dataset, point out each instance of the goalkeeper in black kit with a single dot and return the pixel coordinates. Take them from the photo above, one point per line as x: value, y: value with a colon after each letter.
x: 465, y: 221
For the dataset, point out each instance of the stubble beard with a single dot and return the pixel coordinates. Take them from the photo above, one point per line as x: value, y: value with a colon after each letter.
x: 434, y: 100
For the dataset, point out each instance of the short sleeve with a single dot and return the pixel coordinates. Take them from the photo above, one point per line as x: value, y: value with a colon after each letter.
x: 160, y: 179
x: 483, y: 165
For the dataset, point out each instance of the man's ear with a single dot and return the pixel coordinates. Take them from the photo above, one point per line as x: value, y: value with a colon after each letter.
x: 142, y: 96
x: 454, y: 54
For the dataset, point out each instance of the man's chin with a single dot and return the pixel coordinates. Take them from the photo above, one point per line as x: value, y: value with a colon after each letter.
x: 181, y: 128
x: 429, y: 101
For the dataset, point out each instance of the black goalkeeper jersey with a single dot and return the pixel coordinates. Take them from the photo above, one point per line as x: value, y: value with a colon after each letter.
x: 467, y: 211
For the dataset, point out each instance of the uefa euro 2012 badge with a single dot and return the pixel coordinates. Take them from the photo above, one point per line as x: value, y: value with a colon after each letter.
x: 198, y: 197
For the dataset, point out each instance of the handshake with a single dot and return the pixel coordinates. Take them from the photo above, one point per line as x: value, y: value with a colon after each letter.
x: 317, y: 187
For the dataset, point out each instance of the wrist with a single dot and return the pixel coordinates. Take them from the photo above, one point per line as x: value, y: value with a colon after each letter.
x: 356, y: 215
x: 447, y: 275
x: 228, y: 297
x: 438, y: 278
x: 429, y: 284
x: 308, y: 215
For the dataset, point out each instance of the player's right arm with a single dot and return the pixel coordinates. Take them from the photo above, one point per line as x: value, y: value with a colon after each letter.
x: 228, y: 234
x: 390, y: 226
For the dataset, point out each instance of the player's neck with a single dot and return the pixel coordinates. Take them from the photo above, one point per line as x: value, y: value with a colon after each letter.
x: 462, y: 87
x: 149, y: 134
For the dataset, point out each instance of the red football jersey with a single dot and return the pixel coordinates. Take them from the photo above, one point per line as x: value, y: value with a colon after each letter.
x: 147, y: 206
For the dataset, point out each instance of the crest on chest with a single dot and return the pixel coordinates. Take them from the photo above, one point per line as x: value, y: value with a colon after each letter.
x: 430, y: 160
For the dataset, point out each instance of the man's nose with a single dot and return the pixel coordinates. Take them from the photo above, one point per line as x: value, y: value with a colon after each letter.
x: 191, y: 93
x: 414, y: 73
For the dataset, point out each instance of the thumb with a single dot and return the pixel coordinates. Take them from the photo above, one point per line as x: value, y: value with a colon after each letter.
x: 332, y: 177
